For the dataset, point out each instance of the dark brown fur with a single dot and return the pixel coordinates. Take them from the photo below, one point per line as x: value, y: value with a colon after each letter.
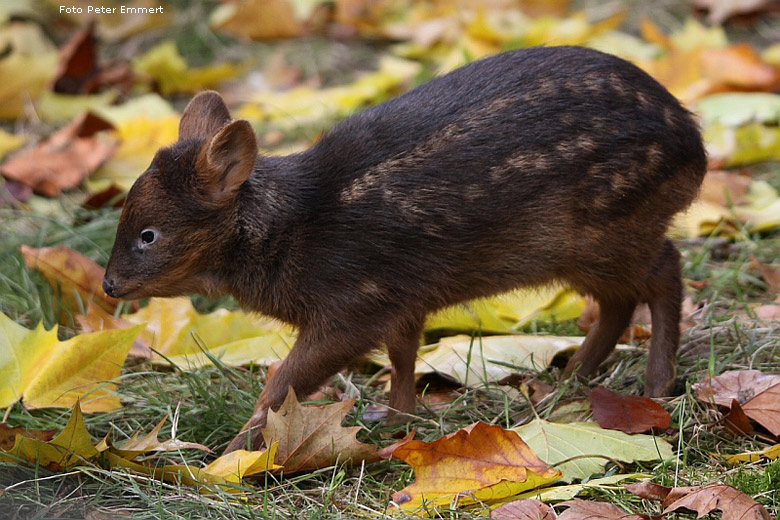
x: 538, y: 166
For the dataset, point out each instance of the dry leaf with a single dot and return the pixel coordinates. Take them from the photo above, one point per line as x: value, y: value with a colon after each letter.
x: 648, y: 489
x: 79, y: 72
x: 480, y: 462
x: 257, y: 19
x: 136, y: 445
x: 737, y: 421
x: 734, y: 504
x: 771, y: 453
x: 757, y: 393
x: 8, y: 435
x: 311, y: 437
x: 526, y: 509
x: 65, y: 159
x: 721, y: 10
x: 585, y: 510
x: 74, y: 277
x: 627, y: 413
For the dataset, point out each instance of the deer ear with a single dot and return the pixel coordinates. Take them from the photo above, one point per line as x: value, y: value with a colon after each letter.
x: 204, y: 115
x: 226, y: 161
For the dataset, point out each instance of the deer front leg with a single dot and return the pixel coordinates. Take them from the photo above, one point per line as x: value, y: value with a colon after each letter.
x: 314, y: 358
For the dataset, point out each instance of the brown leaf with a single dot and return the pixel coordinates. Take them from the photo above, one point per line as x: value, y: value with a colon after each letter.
x: 78, y: 61
x: 737, y: 421
x: 734, y: 504
x: 585, y: 510
x: 738, y: 66
x: 110, y: 195
x: 627, y: 413
x: 770, y: 274
x: 136, y: 445
x: 526, y: 509
x: 65, y: 159
x: 724, y: 188
x: 648, y: 489
x: 756, y: 392
x: 78, y: 278
x: 311, y: 437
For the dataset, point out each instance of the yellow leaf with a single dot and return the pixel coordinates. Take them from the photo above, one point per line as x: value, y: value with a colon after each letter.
x: 771, y: 453
x: 72, y: 446
x: 311, y: 437
x: 9, y: 143
x: 26, y: 68
x: 57, y: 108
x: 45, y: 372
x: 241, y: 463
x: 170, y: 70
x: 140, y: 138
x: 479, y: 463
x: 177, y: 331
x: 257, y: 19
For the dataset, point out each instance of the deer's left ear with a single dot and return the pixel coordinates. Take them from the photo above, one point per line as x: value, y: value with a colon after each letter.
x: 204, y: 115
x: 226, y: 162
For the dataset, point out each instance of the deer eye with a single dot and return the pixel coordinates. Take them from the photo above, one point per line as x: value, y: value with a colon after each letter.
x: 148, y: 236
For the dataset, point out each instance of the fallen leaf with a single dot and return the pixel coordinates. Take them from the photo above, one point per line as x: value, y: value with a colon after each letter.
x: 138, y: 16
x: 734, y: 504
x: 239, y: 464
x: 735, y: 109
x: 481, y: 463
x: 257, y: 19
x: 113, y: 195
x: 770, y: 274
x: 737, y: 421
x: 722, y: 10
x: 476, y: 361
x: 556, y: 442
x: 136, y: 445
x: 526, y: 509
x: 587, y: 510
x: 170, y: 71
x: 187, y: 339
x: 627, y: 413
x: 76, y: 279
x: 45, y: 372
x: 8, y: 435
x: 756, y: 392
x: 311, y: 437
x: 771, y: 453
x: 71, y: 447
x: 27, y: 66
x: 9, y: 143
x: 65, y: 159
x: 648, y: 489
x: 568, y: 492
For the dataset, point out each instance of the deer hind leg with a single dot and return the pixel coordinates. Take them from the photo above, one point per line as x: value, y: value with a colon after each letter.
x: 402, y: 345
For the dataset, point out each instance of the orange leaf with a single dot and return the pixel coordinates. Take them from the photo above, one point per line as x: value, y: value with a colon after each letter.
x: 65, y: 159
x: 479, y: 462
x: 78, y: 278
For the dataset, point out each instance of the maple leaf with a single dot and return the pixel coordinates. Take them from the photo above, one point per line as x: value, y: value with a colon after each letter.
x: 311, y: 437
x: 757, y: 393
x: 45, y: 372
x: 480, y: 462
x: 627, y: 413
x: 65, y: 159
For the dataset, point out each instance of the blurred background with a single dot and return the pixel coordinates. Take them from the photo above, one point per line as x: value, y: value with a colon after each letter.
x: 87, y: 98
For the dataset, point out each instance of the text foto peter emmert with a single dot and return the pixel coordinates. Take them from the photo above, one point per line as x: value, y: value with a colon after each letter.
x: 98, y: 9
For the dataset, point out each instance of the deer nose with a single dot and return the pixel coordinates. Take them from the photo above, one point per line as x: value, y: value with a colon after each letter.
x: 109, y: 286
